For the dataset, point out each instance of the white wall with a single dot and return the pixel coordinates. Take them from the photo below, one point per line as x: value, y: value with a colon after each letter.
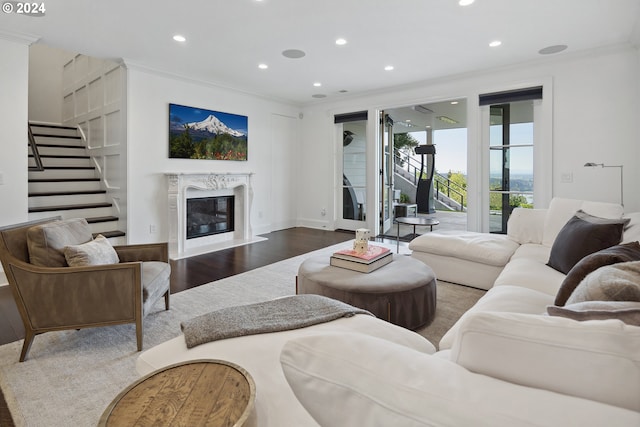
x: 149, y: 95
x: 596, y: 111
x: 45, y: 83
x: 14, y: 73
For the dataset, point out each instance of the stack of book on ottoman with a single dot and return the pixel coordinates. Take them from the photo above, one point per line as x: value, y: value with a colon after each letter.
x: 373, y: 258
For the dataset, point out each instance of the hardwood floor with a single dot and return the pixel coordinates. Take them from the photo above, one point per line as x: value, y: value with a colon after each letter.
x: 195, y: 271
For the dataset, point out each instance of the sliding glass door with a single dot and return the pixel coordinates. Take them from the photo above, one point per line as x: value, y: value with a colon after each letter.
x: 351, y: 130
x: 510, y: 161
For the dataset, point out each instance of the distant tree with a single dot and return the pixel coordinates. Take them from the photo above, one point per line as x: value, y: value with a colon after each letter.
x: 181, y: 146
x: 404, y: 143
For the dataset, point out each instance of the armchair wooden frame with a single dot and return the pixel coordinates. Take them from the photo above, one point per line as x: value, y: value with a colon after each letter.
x: 62, y: 298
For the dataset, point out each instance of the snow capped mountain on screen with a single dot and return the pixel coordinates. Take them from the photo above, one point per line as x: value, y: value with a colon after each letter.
x: 213, y: 125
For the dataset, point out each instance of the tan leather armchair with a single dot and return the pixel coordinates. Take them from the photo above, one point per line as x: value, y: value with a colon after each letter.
x: 61, y: 298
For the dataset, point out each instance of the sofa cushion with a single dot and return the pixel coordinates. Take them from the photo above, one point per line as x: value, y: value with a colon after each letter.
x: 596, y: 360
x: 582, y: 235
x: 46, y: 242
x: 527, y: 268
x: 509, y: 299
x: 398, y: 386
x: 626, y: 311
x: 618, y: 282
x: 561, y: 210
x: 95, y: 252
x: 155, y: 282
x: 484, y: 248
x: 615, y: 254
x: 526, y: 225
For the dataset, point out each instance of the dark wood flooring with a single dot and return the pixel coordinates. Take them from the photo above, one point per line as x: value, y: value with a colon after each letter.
x: 195, y: 271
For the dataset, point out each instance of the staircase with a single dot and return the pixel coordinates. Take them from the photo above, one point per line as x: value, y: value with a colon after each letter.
x: 407, y: 171
x: 63, y: 181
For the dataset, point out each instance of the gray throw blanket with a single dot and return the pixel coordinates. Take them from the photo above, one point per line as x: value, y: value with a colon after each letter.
x: 281, y: 314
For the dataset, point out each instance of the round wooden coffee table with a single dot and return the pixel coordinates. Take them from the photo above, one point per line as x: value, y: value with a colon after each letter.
x: 194, y: 393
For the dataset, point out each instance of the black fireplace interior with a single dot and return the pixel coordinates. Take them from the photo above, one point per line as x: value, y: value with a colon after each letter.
x: 209, y: 215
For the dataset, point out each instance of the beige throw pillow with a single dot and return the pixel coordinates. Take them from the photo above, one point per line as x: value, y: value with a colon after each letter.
x: 617, y: 282
x: 96, y: 252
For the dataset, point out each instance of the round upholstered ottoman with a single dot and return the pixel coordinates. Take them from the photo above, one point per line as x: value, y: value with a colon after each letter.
x: 402, y: 292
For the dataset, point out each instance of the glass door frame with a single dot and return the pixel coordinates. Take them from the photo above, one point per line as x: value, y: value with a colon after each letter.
x: 386, y: 172
x: 543, y: 167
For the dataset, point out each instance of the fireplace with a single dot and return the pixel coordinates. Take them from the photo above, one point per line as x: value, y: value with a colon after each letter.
x: 209, y: 215
x: 198, y: 223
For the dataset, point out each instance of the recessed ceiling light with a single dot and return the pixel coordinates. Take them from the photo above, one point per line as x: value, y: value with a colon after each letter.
x: 293, y: 53
x: 317, y: 84
x: 549, y: 50
x: 263, y: 66
x: 341, y: 42
x: 179, y: 38
x: 465, y: 2
x: 388, y: 68
x: 495, y: 43
x: 446, y: 119
x: 454, y: 102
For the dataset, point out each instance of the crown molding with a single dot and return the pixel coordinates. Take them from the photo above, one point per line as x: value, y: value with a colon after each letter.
x: 22, y: 38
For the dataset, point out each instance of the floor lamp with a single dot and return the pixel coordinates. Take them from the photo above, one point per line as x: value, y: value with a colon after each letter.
x: 602, y: 165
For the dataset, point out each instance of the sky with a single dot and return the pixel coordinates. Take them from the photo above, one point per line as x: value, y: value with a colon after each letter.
x: 192, y: 114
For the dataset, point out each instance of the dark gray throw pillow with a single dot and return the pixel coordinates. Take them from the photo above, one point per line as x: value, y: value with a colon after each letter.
x: 583, y: 235
x: 613, y: 255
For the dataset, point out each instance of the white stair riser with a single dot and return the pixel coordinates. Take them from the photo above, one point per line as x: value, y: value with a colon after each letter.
x: 63, y: 173
x: 74, y: 213
x: 41, y: 187
x: 73, y: 142
x: 35, y: 202
x: 102, y: 227
x: 61, y: 151
x: 53, y: 131
x: 54, y: 161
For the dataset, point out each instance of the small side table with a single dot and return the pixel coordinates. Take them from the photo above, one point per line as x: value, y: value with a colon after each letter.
x: 419, y: 220
x: 194, y: 393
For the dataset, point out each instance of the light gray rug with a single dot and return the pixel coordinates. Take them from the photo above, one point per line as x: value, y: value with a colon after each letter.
x: 70, y: 377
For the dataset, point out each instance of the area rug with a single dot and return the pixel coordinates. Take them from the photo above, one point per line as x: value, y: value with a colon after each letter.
x: 70, y: 377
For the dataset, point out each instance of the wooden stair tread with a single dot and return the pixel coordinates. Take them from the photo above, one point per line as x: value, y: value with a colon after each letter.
x: 110, y: 234
x: 71, y: 167
x: 63, y: 179
x: 52, y: 126
x: 45, y: 135
x: 97, y: 219
x: 69, y: 207
x: 66, y: 193
x: 82, y: 147
x: 60, y: 156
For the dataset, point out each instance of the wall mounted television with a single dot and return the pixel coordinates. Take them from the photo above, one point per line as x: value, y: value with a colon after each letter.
x: 197, y: 133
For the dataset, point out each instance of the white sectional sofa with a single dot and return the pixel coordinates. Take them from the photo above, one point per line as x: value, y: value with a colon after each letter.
x: 504, y: 363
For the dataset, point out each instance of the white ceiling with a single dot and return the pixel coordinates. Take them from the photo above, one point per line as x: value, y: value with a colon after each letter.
x: 422, y: 39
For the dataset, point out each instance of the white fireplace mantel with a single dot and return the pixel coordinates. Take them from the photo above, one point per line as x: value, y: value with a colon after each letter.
x: 184, y: 185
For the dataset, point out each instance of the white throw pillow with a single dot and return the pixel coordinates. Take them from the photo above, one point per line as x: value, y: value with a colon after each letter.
x: 596, y: 360
x: 561, y: 210
x: 95, y: 252
x: 358, y: 380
